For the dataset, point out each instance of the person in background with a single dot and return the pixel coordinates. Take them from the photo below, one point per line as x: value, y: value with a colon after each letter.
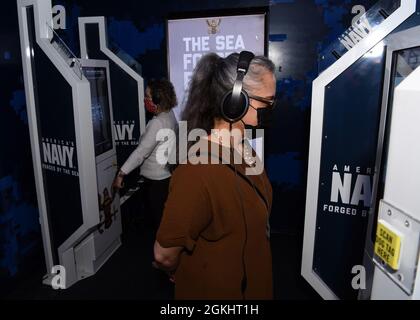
x: 160, y: 98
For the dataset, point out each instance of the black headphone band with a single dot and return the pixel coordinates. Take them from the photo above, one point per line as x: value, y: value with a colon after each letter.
x: 237, y: 86
x: 244, y: 61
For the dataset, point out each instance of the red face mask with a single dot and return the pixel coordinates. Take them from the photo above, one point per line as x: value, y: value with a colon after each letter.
x: 149, y: 105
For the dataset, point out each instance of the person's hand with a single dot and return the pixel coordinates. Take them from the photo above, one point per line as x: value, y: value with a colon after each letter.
x: 171, y: 274
x: 172, y: 277
x: 118, y: 181
x: 156, y: 265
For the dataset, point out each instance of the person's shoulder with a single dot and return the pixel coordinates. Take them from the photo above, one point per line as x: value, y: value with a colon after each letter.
x: 154, y: 121
x: 189, y: 177
x: 204, y: 171
x: 159, y: 122
x: 186, y: 169
x: 165, y: 118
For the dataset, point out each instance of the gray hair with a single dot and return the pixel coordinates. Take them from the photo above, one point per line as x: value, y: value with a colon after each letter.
x: 213, y: 77
x: 258, y: 67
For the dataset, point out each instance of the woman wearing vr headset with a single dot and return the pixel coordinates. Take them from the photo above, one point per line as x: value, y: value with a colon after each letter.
x: 160, y: 98
x: 213, y: 239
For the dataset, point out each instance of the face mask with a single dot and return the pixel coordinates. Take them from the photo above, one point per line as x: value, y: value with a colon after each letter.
x: 264, y: 119
x: 150, y: 106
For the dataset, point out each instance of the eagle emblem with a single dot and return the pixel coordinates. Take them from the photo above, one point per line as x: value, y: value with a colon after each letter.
x: 213, y: 25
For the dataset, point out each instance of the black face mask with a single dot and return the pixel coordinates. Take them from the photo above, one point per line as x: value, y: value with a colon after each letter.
x: 264, y: 118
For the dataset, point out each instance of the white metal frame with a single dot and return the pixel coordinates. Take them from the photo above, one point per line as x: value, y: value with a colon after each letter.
x: 399, y: 41
x: 406, y: 9
x: 100, y: 21
x: 402, y: 182
x: 84, y: 135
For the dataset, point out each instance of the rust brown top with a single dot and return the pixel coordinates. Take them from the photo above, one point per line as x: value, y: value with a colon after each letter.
x: 220, y: 217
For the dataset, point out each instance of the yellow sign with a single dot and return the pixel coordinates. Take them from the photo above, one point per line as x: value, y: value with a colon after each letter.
x: 388, y: 244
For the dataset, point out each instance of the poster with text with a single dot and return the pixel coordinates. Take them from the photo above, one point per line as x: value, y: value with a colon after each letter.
x: 190, y: 39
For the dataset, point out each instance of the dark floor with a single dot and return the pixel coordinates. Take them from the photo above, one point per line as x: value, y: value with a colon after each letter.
x: 129, y: 273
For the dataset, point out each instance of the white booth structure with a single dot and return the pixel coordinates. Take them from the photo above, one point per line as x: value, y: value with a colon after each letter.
x: 362, y: 223
x: 129, y: 119
x: 397, y: 243
x: 70, y: 115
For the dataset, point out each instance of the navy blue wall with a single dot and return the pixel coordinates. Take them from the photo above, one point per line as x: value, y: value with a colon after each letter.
x: 20, y: 237
x: 299, y: 30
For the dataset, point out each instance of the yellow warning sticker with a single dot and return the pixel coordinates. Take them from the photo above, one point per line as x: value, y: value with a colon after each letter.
x: 388, y: 244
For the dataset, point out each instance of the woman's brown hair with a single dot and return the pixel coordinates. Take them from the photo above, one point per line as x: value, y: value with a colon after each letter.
x: 163, y: 94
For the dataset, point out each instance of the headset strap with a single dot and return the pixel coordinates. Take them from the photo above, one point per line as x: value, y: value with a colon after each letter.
x: 245, y: 58
x: 237, y: 87
x: 244, y: 177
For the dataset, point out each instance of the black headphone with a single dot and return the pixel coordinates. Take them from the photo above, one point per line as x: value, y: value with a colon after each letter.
x: 235, y: 102
x: 234, y: 106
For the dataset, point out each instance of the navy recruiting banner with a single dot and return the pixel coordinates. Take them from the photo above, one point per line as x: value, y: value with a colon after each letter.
x: 57, y: 142
x: 350, y: 135
x: 190, y: 39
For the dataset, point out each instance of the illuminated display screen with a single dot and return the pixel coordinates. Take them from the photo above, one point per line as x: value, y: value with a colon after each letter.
x: 100, y: 108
